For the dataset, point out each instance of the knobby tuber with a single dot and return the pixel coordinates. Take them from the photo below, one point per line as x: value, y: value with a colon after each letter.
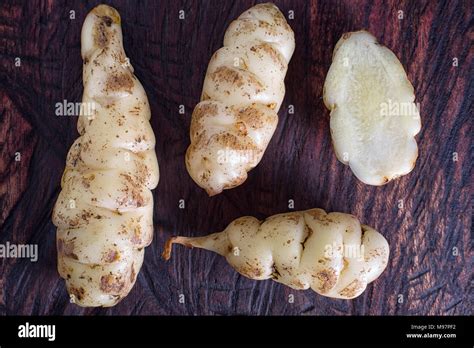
x: 333, y: 254
x: 242, y: 93
x: 104, y: 212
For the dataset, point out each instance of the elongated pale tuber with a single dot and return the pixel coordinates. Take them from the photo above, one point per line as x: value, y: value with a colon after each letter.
x: 330, y: 253
x: 104, y: 212
x: 242, y: 93
x: 373, y: 115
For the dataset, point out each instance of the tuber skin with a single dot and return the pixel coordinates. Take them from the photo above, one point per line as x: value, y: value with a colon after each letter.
x: 333, y: 254
x: 374, y: 119
x: 104, y: 212
x: 242, y: 93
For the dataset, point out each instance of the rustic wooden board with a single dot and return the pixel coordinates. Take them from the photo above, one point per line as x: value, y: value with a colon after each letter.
x: 170, y: 57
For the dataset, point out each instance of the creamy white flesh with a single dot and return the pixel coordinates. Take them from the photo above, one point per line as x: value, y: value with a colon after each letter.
x: 373, y: 115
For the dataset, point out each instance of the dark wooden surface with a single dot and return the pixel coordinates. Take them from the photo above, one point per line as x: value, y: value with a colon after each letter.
x: 170, y: 57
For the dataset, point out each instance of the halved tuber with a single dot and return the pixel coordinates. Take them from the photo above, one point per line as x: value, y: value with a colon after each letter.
x: 242, y: 93
x: 104, y: 212
x: 374, y: 119
x: 330, y: 253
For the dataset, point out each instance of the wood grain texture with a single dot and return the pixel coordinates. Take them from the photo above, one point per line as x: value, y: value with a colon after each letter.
x: 170, y: 57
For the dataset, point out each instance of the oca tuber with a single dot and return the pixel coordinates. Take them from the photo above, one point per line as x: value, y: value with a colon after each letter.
x: 330, y: 253
x: 373, y: 115
x: 104, y: 212
x: 242, y: 93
